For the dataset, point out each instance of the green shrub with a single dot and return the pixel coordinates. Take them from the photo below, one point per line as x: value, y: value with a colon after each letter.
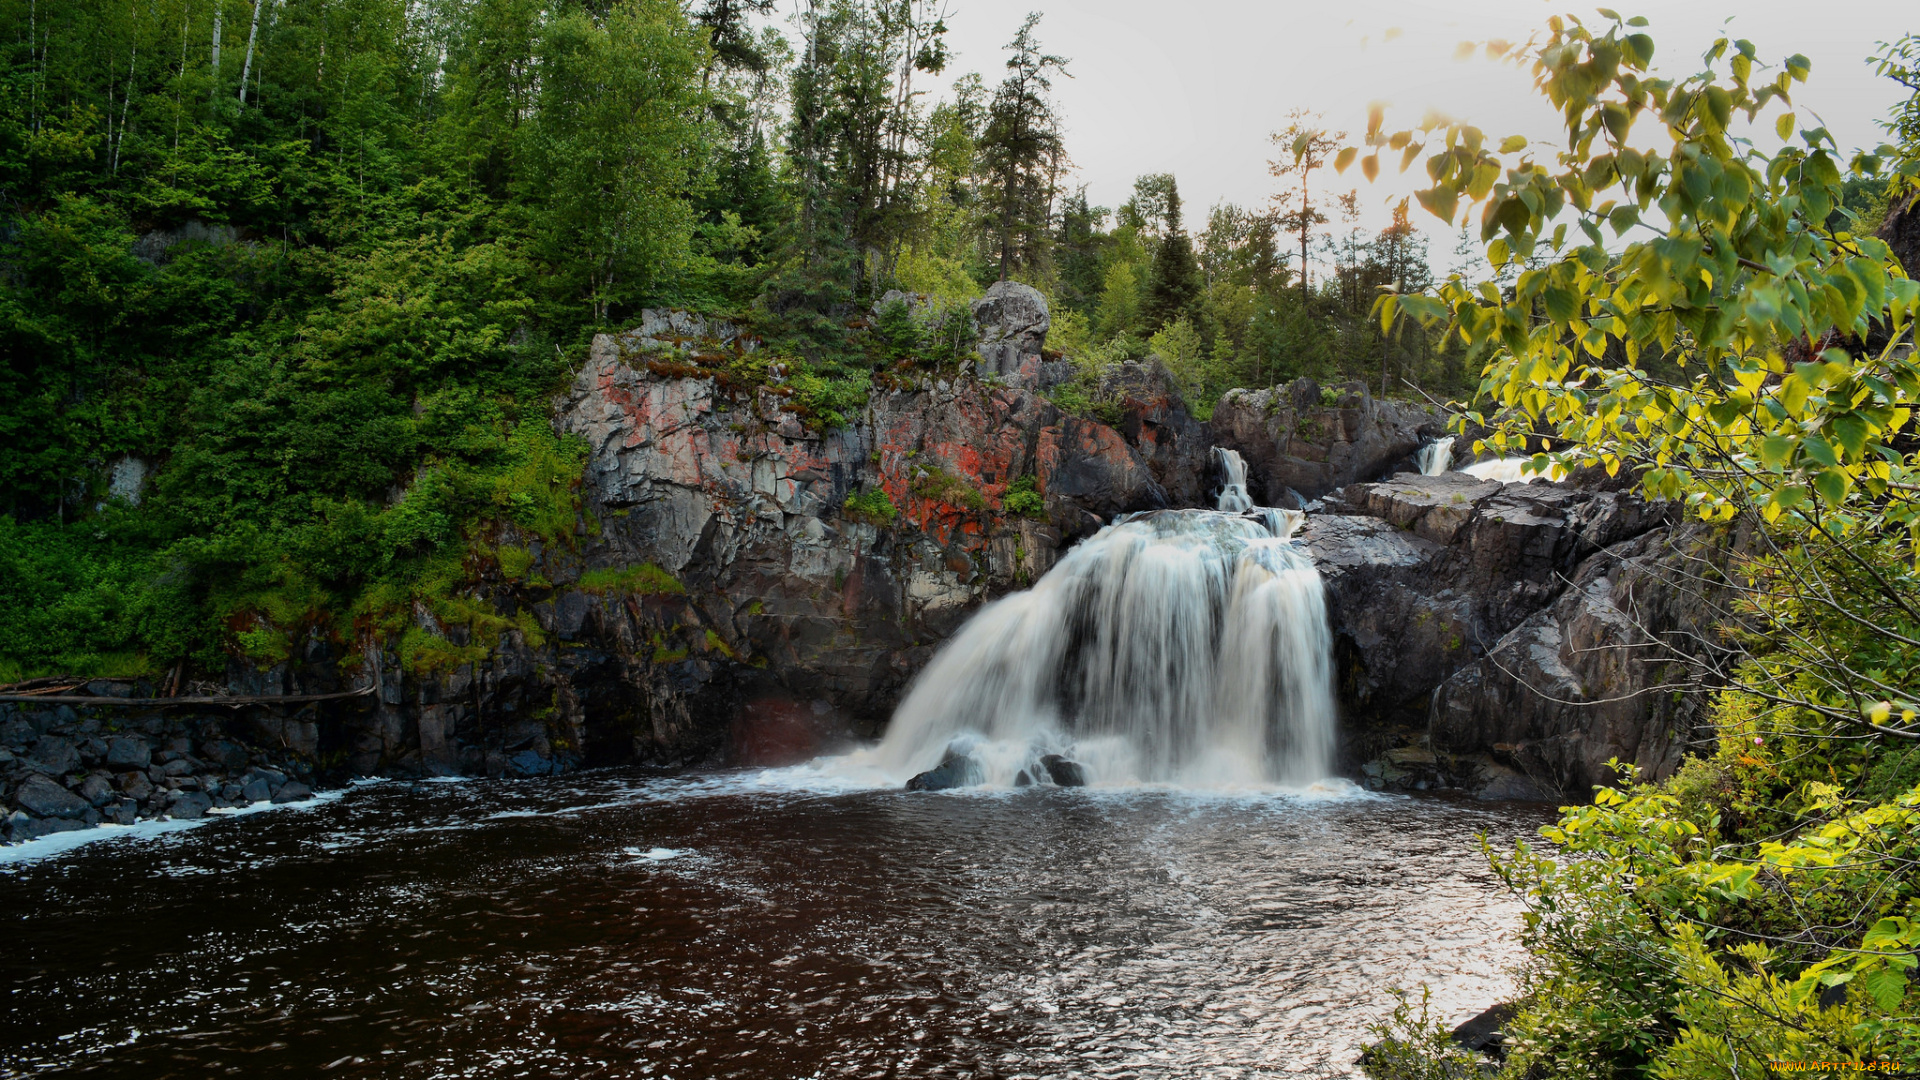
x: 645, y: 579
x: 872, y: 506
x: 1022, y: 499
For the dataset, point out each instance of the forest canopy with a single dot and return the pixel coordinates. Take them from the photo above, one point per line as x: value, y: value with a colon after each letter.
x: 285, y: 287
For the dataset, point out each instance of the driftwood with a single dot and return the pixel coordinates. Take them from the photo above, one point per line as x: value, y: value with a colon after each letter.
x: 51, y: 684
x: 167, y: 702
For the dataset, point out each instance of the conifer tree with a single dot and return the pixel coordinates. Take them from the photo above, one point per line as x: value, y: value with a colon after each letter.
x: 1022, y: 151
x: 1173, y: 286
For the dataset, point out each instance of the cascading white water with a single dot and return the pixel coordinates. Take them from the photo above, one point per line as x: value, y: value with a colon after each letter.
x: 1233, y: 495
x: 1436, y: 457
x: 1508, y: 471
x: 1187, y: 647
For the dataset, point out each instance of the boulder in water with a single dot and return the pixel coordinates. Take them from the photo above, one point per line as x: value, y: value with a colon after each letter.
x: 956, y: 769
x: 1065, y: 773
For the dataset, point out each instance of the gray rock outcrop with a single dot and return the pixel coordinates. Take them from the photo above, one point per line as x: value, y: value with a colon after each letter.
x: 1012, y: 322
x: 1520, y: 634
x: 1296, y: 438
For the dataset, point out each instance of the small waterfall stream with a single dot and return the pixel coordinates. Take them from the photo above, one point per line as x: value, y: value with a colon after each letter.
x: 1233, y: 494
x: 1436, y: 457
x: 1180, y: 646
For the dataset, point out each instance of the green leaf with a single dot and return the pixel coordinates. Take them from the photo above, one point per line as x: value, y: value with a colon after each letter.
x: 1776, y: 451
x: 1441, y: 202
x: 1851, y: 430
x: 1784, y: 126
x: 1513, y: 144
x: 1832, y: 484
x: 1820, y: 450
x: 1887, y: 986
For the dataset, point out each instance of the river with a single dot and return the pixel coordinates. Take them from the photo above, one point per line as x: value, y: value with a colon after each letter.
x: 762, y: 924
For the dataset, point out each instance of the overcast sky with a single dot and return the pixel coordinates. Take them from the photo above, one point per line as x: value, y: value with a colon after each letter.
x: 1194, y: 87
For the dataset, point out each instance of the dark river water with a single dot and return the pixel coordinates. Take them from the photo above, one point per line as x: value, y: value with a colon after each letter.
x: 751, y: 925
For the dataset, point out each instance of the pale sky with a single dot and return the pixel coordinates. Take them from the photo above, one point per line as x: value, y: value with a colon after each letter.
x: 1194, y: 88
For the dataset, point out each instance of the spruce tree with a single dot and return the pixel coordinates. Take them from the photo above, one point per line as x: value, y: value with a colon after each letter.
x: 1173, y: 287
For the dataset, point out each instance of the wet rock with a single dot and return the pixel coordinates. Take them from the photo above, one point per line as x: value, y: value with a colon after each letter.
x: 23, y: 827
x: 93, y: 750
x: 528, y: 763
x: 1505, y: 785
x: 54, y: 755
x: 273, y: 778
x: 188, y: 805
x: 1576, y: 684
x: 256, y: 790
x: 1064, y: 772
x: 1431, y: 507
x: 114, y: 688
x: 123, y: 812
x: 1425, y: 573
x: 956, y: 769
x: 129, y: 752
x: 1021, y: 779
x: 97, y: 789
x: 179, y: 766
x: 226, y: 754
x: 1155, y: 421
x: 43, y: 798
x: 292, y: 791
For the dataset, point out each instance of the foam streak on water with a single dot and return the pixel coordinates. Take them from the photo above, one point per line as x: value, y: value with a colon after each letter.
x: 1181, y: 647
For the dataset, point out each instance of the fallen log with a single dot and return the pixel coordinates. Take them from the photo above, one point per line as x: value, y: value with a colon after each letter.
x: 169, y: 702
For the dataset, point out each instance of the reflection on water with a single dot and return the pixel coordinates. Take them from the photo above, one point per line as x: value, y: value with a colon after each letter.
x: 733, y: 925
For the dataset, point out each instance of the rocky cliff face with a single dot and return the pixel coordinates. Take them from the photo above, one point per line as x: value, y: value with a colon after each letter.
x: 1301, y: 442
x: 1511, y: 638
x: 744, y: 587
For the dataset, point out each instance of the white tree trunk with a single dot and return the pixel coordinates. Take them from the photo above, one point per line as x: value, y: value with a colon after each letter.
x: 246, y: 69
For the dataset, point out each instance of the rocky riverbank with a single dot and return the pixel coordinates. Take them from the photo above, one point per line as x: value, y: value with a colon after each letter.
x: 63, y: 769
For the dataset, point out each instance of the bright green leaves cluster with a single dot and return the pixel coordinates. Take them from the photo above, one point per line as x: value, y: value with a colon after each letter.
x: 1728, y: 275
x: 1646, y: 930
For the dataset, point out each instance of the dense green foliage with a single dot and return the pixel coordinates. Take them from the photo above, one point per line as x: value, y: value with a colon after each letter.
x: 323, y: 266
x: 305, y: 278
x: 1710, y: 316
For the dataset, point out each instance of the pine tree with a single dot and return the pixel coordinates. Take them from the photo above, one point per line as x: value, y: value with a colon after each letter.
x: 1173, y: 286
x: 1022, y: 151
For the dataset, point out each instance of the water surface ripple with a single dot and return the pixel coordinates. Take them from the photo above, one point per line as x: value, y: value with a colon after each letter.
x: 719, y: 926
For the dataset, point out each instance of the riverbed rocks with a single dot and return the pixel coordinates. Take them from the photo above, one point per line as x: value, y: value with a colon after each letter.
x: 62, y: 768
x: 1308, y: 440
x: 957, y: 769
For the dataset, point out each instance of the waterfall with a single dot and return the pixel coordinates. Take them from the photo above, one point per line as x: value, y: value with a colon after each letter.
x: 1233, y: 495
x: 1180, y: 646
x: 1508, y: 471
x: 1436, y: 457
